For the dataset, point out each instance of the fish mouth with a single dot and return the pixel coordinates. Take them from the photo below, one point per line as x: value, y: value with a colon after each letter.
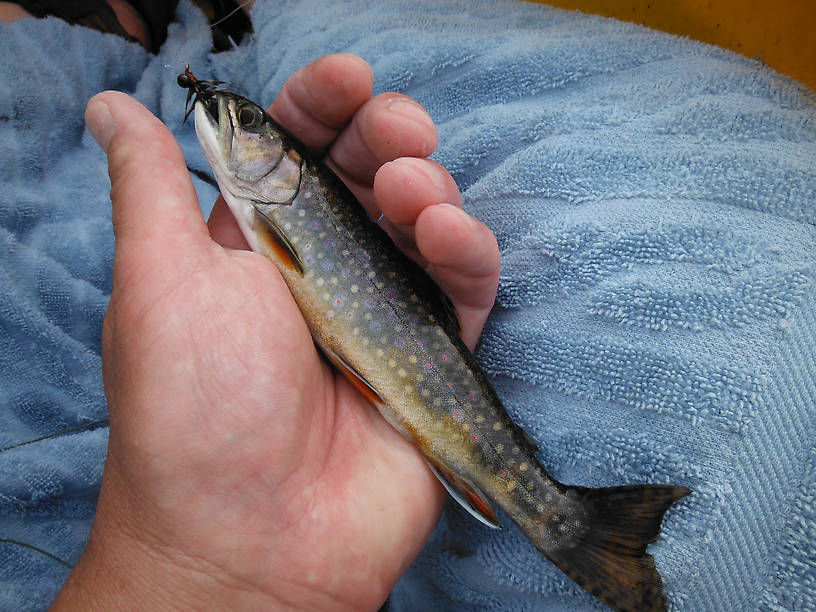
x: 213, y: 125
x: 210, y: 104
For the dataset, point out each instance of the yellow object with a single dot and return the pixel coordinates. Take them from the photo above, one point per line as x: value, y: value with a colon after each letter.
x: 781, y: 33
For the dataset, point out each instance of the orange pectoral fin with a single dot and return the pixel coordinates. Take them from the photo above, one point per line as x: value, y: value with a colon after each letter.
x: 468, y: 496
x: 277, y: 242
x: 357, y: 381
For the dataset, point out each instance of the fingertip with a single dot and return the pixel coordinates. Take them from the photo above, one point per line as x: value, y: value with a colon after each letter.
x: 140, y: 150
x: 319, y: 100
x: 406, y: 186
x: 394, y: 125
x: 450, y: 238
x: 100, y: 122
x: 344, y: 75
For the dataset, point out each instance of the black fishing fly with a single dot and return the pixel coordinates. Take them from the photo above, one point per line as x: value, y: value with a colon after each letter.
x: 204, y: 90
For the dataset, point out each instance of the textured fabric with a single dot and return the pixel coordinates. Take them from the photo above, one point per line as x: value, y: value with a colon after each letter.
x: 654, y: 201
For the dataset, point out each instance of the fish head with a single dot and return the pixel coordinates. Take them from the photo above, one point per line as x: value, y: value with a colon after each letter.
x: 252, y: 158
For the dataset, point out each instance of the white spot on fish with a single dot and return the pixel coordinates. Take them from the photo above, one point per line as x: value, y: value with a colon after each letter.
x: 354, y: 288
x: 497, y: 426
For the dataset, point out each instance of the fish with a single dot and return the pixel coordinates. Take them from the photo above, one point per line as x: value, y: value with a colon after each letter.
x: 384, y: 323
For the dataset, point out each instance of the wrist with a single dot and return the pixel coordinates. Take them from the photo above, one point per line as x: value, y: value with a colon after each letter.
x: 120, y: 571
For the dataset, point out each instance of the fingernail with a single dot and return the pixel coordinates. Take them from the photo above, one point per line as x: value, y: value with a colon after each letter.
x: 435, y: 174
x: 408, y: 108
x: 100, y: 122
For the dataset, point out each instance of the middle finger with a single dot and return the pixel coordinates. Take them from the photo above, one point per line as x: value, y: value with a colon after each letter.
x: 388, y: 126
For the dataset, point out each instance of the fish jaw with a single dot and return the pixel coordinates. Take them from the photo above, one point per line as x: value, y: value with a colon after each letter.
x: 213, y: 139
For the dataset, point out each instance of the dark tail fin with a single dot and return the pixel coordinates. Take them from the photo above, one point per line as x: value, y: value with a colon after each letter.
x: 610, y: 560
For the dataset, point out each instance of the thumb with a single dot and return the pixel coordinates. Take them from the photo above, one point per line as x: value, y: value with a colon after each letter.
x: 155, y: 208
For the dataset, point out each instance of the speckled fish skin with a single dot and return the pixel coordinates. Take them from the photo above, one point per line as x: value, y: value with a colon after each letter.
x: 383, y: 322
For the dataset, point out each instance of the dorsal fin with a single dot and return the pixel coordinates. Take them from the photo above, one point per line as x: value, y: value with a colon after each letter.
x: 449, y: 312
x: 468, y: 496
x: 529, y: 440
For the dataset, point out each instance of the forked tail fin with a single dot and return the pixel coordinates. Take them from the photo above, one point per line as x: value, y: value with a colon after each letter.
x: 610, y: 560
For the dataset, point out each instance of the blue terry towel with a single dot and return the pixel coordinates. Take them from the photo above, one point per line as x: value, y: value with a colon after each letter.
x: 654, y: 200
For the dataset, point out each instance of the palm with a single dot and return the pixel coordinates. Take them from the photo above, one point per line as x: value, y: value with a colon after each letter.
x: 233, y: 444
x: 288, y: 474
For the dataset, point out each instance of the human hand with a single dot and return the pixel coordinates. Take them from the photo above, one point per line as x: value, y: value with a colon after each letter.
x: 242, y: 471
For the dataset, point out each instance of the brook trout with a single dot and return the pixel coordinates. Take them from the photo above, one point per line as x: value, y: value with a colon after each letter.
x: 384, y: 324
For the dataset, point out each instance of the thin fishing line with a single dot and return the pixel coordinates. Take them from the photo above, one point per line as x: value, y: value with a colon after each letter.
x: 231, y: 13
x: 211, y: 26
x: 39, y: 550
x: 55, y: 434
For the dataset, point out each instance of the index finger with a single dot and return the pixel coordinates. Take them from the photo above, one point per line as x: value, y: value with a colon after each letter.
x: 319, y: 100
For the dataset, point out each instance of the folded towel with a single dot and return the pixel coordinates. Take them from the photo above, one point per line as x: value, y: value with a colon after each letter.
x: 654, y: 200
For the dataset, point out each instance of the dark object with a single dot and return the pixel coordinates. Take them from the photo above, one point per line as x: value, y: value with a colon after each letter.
x: 229, y: 23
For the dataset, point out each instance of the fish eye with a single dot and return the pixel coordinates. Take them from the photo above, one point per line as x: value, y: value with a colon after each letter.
x: 185, y: 81
x: 250, y: 116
